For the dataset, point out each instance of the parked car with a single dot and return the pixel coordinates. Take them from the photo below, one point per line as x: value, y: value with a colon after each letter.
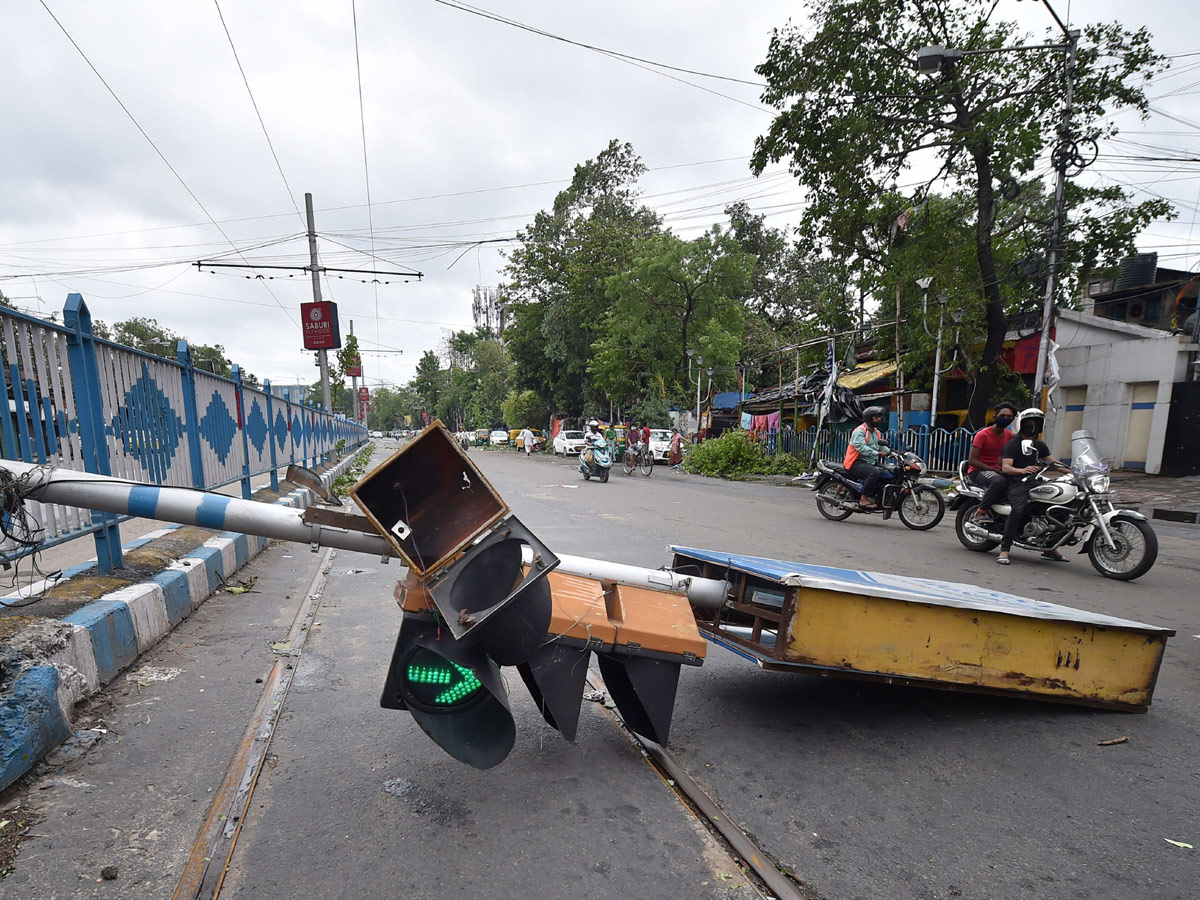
x: 377, y: 434
x: 499, y: 437
x: 660, y: 443
x: 568, y: 443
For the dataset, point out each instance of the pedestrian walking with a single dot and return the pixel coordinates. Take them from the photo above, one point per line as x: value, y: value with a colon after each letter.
x: 526, y: 438
x: 676, y: 454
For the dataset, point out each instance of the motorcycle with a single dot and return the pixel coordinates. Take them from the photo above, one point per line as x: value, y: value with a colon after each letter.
x: 601, y: 461
x: 919, y: 506
x: 1071, y: 509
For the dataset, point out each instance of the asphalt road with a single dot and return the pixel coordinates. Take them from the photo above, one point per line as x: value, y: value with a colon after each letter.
x: 860, y: 790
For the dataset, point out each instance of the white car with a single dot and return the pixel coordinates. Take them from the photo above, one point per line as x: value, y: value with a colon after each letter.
x: 566, y: 442
x: 499, y: 438
x: 660, y: 443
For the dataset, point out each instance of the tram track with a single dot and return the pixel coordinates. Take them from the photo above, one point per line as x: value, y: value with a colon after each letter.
x: 767, y: 876
x: 208, y: 862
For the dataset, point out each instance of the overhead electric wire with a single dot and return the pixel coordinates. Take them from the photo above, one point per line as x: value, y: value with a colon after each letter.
x: 648, y: 65
x: 258, y: 113
x: 362, y: 121
x: 477, y: 11
x: 150, y: 141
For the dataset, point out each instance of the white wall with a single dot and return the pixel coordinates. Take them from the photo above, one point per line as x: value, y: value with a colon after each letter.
x: 1109, y: 357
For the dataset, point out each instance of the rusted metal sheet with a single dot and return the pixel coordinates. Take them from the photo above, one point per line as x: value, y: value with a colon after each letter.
x: 941, y: 634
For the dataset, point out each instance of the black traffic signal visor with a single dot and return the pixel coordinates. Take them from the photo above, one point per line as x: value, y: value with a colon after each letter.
x: 489, y: 596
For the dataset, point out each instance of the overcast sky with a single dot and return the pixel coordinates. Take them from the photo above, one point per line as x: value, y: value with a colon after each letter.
x: 471, y: 127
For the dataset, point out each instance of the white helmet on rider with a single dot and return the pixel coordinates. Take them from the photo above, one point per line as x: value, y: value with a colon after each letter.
x: 1030, y: 422
x: 594, y: 424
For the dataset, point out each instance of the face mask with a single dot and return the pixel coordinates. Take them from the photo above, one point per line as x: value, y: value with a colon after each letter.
x: 1003, y: 421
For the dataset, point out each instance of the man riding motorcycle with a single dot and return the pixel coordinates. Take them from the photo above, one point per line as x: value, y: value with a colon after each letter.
x: 1023, y: 456
x: 863, y: 453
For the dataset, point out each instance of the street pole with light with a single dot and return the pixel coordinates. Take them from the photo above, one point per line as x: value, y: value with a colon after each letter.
x: 934, y: 59
x: 701, y: 371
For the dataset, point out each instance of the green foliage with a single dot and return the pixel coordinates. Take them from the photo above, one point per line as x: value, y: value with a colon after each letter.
x: 525, y: 409
x: 853, y: 118
x: 558, y: 276
x: 734, y: 455
x: 676, y: 295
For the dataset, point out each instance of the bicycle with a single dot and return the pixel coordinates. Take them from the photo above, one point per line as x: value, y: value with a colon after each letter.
x: 642, y: 459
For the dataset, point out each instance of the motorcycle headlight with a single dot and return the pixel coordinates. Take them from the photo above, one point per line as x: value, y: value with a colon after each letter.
x: 1098, y: 484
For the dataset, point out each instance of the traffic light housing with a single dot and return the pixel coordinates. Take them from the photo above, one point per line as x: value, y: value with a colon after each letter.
x: 453, y: 691
x: 482, y: 593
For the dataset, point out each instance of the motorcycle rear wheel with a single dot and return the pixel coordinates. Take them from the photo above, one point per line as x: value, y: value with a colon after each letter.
x: 922, y: 508
x: 828, y: 499
x: 1135, y: 553
x: 981, y: 545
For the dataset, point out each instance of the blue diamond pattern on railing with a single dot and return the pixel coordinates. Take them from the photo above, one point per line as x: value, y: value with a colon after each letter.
x: 281, y: 429
x: 256, y: 426
x: 218, y: 427
x: 149, y: 429
x: 297, y: 430
x: 308, y: 428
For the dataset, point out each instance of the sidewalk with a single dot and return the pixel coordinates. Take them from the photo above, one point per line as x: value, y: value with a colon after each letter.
x: 65, y: 646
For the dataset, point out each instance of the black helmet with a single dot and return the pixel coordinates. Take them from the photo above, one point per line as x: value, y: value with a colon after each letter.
x: 1034, y: 418
x: 871, y: 412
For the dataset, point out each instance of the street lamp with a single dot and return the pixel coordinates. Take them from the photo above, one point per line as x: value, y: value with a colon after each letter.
x: 934, y: 59
x: 699, y: 378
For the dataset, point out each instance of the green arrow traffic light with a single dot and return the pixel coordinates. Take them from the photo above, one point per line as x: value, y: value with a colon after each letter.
x: 437, y: 681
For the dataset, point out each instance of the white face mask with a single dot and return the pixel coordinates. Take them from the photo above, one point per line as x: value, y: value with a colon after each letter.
x: 1026, y: 447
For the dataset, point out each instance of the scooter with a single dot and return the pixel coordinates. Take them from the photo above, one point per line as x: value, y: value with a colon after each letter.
x: 601, y: 461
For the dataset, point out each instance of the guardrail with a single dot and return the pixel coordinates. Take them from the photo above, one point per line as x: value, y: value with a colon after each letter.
x: 80, y: 402
x: 941, y: 449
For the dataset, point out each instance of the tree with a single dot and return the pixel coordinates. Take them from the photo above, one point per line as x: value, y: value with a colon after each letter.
x: 429, y: 382
x: 525, y: 409
x: 675, y: 296
x: 853, y: 118
x: 149, y: 336
x: 558, y: 275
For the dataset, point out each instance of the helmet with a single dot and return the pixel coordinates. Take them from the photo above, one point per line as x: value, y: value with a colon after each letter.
x: 871, y: 411
x: 1032, y: 417
x: 593, y: 423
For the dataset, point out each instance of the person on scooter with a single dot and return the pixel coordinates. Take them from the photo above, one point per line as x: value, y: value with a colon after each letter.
x: 590, y: 437
x: 1023, y: 456
x: 983, y: 465
x: 863, y: 453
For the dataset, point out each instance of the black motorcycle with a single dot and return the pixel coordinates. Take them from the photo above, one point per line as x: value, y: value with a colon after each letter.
x: 919, y: 506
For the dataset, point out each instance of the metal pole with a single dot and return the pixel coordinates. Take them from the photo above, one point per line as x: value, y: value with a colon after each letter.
x: 187, y: 507
x: 710, y: 593
x: 699, y: 378
x: 899, y: 371
x: 1060, y: 187
x: 937, y: 373
x: 322, y: 355
x: 354, y: 387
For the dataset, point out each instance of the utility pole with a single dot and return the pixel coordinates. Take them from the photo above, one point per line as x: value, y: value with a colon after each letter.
x: 354, y: 386
x: 322, y: 355
x: 1062, y: 160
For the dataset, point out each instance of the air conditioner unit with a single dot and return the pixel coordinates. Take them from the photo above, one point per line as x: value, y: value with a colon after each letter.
x: 1135, y: 312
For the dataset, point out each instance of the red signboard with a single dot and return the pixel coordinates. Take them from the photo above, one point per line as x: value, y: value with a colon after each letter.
x: 320, y: 324
x: 354, y: 370
x: 364, y: 394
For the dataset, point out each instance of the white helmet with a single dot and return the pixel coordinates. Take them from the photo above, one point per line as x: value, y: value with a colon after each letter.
x: 593, y: 423
x: 1029, y: 415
